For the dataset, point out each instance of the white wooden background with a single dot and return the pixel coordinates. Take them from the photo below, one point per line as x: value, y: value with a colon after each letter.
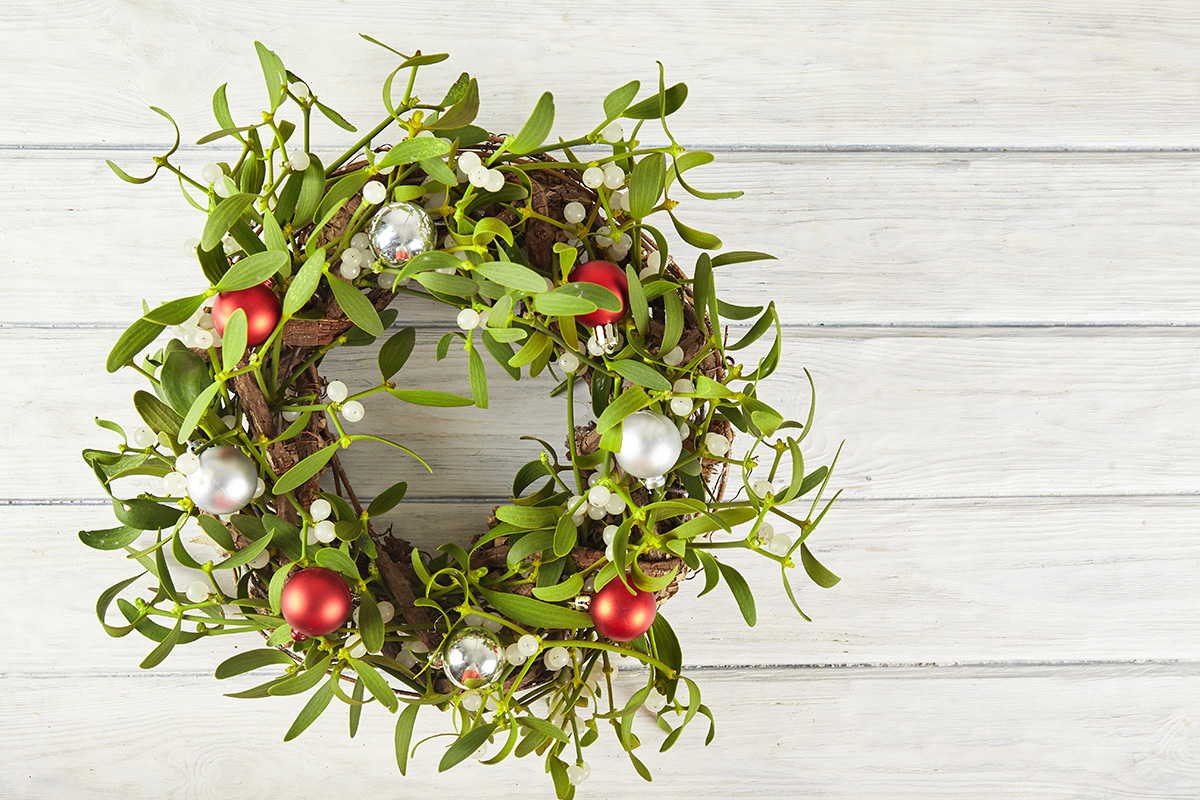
x: 986, y: 217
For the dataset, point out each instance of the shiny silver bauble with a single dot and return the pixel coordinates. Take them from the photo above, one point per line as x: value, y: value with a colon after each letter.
x: 224, y: 482
x: 472, y: 658
x: 650, y: 446
x: 400, y: 231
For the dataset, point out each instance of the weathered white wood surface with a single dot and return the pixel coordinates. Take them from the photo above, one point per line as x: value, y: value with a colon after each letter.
x: 1114, y: 74
x: 924, y: 582
x: 1006, y: 339
x: 982, y: 413
x: 1046, y: 733
x: 862, y: 238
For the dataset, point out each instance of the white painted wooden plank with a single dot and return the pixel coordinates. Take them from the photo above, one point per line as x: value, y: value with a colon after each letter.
x: 861, y: 238
x: 993, y: 413
x: 1071, y: 74
x: 878, y: 239
x: 941, y: 734
x: 923, y: 582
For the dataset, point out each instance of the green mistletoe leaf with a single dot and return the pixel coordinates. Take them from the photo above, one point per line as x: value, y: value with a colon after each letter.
x: 301, y: 682
x: 233, y: 342
x: 375, y: 683
x: 534, y: 612
x: 250, y: 661
x: 145, y: 515
x: 336, y: 560
x: 305, y: 282
x: 465, y: 745
x: 196, y: 411
x: 111, y: 538
x: 164, y: 647
x: 404, y: 730
x: 462, y: 112
x: 410, y: 150
x: 619, y: 99
x: 514, y: 276
x: 631, y: 400
x: 430, y: 397
x: 453, y: 285
x: 528, y: 517
x: 741, y: 592
x: 273, y: 74
x: 252, y: 270
x: 222, y: 218
x: 334, y: 117
x: 395, y: 352
x: 312, y: 709
x: 549, y: 730
x: 646, y: 184
x: 357, y: 307
x: 308, y: 191
x: 641, y: 374
x: 184, y: 376
x: 705, y: 241
x: 388, y: 499
x: 136, y: 338
x: 663, y: 104
x: 247, y: 554
x: 820, y: 574
x: 370, y: 623
x: 157, y: 414
x: 740, y: 257
x: 308, y: 467
x: 536, y: 128
x: 175, y: 312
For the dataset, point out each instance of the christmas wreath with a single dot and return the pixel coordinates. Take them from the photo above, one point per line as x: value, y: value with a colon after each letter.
x: 552, y: 266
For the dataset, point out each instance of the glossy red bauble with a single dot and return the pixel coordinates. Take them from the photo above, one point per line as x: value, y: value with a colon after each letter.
x: 622, y: 616
x: 611, y: 277
x: 262, y: 312
x: 315, y: 601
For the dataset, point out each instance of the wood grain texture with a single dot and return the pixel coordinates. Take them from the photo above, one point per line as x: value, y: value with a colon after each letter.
x: 1017, y: 539
x: 993, y: 413
x: 942, y: 582
x: 1117, y: 731
x: 810, y: 74
x: 877, y: 239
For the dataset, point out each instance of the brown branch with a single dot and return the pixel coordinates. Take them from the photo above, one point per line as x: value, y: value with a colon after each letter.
x: 401, y: 589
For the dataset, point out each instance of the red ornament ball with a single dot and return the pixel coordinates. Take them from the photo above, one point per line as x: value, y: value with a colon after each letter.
x: 315, y: 601
x: 262, y: 312
x: 622, y: 616
x: 611, y: 277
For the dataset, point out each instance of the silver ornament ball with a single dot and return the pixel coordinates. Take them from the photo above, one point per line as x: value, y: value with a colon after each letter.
x: 224, y: 482
x: 650, y: 445
x: 472, y: 658
x: 400, y: 231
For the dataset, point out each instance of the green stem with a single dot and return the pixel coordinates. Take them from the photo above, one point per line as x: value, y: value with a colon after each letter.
x: 596, y: 162
x: 571, y: 433
x: 278, y: 138
x: 308, y: 362
x: 798, y: 523
x: 147, y: 375
x: 182, y: 176
x: 741, y: 544
x: 550, y: 148
x: 644, y: 657
x: 537, y: 326
x: 307, y: 113
x: 346, y: 156
x: 360, y: 395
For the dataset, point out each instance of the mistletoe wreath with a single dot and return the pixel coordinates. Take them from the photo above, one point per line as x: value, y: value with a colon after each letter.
x: 553, y: 268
